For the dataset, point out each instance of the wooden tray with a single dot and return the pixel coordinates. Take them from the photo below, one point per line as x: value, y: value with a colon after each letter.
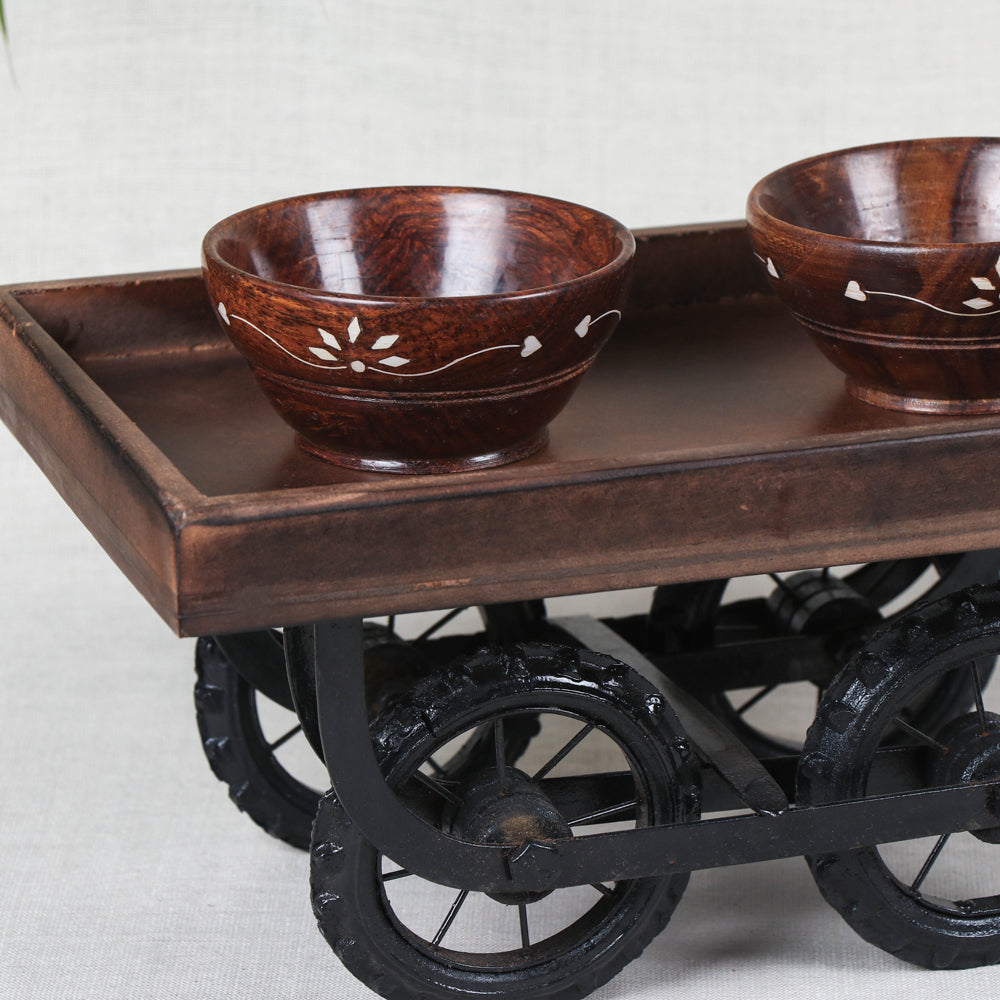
x: 710, y: 439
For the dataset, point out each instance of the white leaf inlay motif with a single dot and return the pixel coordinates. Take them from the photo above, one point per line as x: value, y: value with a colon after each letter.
x: 224, y: 314
x: 322, y: 352
x: 527, y: 347
x: 977, y: 303
x: 985, y: 284
x: 531, y: 344
x: 854, y: 291
x: 583, y: 327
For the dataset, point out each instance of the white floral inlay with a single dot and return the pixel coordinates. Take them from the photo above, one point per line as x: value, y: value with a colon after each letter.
x: 772, y: 268
x: 531, y: 344
x: 977, y: 303
x: 360, y: 357
x: 853, y: 291
x: 356, y: 364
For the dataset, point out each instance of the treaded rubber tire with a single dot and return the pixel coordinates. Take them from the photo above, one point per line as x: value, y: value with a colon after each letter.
x: 916, y: 650
x: 687, y: 613
x: 347, y: 892
x: 238, y: 754
x: 237, y: 750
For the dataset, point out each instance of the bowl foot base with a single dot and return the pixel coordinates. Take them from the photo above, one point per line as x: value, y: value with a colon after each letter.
x: 915, y: 404
x: 427, y: 466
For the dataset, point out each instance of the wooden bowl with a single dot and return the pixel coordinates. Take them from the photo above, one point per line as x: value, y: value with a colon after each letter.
x: 890, y: 256
x: 418, y: 329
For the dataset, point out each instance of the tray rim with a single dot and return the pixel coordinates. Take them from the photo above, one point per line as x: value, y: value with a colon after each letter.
x: 186, y: 504
x: 183, y: 526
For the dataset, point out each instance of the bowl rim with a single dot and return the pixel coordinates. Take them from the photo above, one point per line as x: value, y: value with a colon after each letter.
x: 625, y: 252
x: 754, y: 208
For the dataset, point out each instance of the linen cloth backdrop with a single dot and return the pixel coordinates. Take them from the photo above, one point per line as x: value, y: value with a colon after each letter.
x: 129, y: 128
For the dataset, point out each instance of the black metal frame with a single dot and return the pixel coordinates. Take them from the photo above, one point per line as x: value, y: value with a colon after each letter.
x: 773, y: 830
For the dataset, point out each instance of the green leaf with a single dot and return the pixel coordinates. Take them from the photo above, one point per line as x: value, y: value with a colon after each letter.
x: 5, y: 41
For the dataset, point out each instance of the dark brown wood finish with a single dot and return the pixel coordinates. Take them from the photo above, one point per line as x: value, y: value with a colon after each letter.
x: 890, y: 256
x: 419, y: 329
x: 709, y: 439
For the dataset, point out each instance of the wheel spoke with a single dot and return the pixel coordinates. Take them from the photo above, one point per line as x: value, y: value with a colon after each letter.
x: 887, y: 570
x: 750, y: 702
x: 977, y: 689
x: 918, y: 735
x: 398, y: 873
x: 450, y: 918
x: 437, y: 786
x: 522, y: 915
x: 606, y: 813
x: 439, y: 624
x: 929, y: 863
x: 500, y: 753
x: 282, y: 740
x: 563, y: 753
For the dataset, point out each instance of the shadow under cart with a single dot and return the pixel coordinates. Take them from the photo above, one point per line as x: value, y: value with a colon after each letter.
x: 504, y: 800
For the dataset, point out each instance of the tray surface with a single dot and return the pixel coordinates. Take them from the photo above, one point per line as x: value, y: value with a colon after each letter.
x: 705, y: 379
x: 658, y: 393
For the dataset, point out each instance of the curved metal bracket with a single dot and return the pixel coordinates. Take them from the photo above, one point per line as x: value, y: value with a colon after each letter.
x: 360, y: 786
x: 260, y: 660
x: 651, y: 851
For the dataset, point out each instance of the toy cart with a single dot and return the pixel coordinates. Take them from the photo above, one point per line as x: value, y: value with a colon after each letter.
x: 550, y: 782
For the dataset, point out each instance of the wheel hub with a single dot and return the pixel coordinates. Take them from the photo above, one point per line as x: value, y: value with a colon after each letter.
x: 508, y: 808
x: 973, y: 755
x: 817, y: 603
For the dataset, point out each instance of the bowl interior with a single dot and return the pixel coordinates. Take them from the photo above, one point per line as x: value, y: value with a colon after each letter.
x: 418, y: 242
x: 934, y: 191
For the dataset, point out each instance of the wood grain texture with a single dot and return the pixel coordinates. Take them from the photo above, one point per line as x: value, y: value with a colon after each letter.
x: 888, y: 254
x: 709, y: 439
x: 418, y: 329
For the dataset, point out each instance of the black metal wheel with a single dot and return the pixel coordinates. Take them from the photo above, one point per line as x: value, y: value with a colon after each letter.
x: 604, y: 755
x: 255, y: 706
x: 259, y: 734
x: 931, y: 902
x: 250, y: 736
x: 792, y: 642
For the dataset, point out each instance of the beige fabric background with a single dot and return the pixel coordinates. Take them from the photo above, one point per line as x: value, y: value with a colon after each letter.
x: 129, y: 127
